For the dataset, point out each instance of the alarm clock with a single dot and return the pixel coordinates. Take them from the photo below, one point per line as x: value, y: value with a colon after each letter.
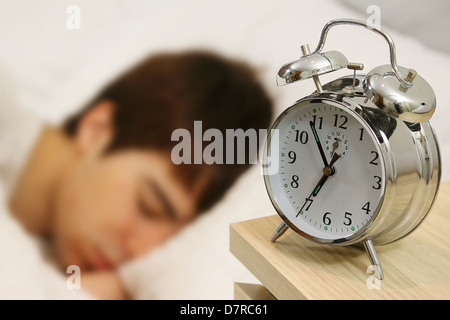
x: 359, y: 161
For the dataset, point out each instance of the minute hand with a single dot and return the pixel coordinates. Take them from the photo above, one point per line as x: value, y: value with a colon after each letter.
x: 319, y: 145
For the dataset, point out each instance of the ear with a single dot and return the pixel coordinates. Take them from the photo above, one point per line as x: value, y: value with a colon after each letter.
x: 95, y: 129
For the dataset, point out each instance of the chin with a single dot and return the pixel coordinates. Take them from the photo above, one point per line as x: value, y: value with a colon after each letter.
x: 70, y: 255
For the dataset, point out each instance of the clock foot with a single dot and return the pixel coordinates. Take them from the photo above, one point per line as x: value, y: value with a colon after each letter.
x: 279, y: 231
x: 368, y: 245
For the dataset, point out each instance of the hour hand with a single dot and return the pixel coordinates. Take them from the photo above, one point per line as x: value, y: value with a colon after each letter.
x: 319, y: 145
x: 327, y: 171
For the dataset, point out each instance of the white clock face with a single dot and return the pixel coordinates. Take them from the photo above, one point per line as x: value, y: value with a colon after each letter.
x: 331, y: 176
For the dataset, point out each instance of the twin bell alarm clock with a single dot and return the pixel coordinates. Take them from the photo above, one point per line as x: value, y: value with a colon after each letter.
x: 358, y: 159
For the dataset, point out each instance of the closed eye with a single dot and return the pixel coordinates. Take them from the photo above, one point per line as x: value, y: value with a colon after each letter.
x: 143, y: 207
x: 164, y: 200
x: 153, y: 197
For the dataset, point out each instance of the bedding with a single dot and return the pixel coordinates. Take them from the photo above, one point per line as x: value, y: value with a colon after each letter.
x: 65, y: 68
x: 411, y: 17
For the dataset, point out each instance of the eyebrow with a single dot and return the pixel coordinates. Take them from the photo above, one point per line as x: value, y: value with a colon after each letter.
x: 164, y: 200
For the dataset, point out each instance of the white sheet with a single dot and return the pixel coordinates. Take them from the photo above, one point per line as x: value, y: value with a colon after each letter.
x: 56, y: 70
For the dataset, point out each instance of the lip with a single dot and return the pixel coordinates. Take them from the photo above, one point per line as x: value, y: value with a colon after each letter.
x: 100, y: 261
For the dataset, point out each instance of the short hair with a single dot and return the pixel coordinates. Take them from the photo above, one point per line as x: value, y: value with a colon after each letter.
x: 168, y: 91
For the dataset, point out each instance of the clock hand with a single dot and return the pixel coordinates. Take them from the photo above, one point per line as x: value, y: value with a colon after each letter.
x: 335, y: 144
x: 319, y: 185
x: 319, y: 145
x: 327, y: 171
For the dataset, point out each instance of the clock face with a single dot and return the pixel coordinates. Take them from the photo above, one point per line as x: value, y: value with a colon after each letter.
x: 331, y: 177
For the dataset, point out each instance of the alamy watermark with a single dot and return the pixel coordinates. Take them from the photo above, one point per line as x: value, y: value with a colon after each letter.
x: 236, y: 146
x: 373, y: 281
x: 374, y: 20
x: 73, y: 21
x: 74, y: 280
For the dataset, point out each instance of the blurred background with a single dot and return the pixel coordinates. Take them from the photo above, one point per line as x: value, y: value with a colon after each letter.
x: 54, y: 68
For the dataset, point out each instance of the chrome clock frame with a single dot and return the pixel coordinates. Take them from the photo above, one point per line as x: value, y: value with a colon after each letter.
x: 412, y: 170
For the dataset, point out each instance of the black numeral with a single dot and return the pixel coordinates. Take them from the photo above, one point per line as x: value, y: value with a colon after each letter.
x: 293, y: 156
x: 361, y: 134
x: 294, y: 182
x: 377, y: 185
x: 320, y: 122
x: 348, y: 219
x: 302, y: 137
x: 366, y: 207
x: 375, y: 158
x: 326, y: 219
x: 342, y: 125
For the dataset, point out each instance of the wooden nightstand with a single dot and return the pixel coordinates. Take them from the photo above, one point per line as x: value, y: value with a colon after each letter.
x: 416, y: 267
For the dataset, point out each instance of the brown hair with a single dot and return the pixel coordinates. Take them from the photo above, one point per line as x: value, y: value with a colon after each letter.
x: 172, y: 90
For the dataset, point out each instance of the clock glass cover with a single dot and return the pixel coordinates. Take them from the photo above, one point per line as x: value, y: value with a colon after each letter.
x: 331, y: 177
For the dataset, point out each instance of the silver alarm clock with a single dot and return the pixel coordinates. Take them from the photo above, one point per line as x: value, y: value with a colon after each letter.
x: 359, y: 161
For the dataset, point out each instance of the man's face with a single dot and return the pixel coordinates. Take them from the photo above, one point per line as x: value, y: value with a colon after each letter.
x: 114, y: 207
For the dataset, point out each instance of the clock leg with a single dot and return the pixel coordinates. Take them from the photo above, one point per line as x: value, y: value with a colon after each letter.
x: 368, y: 245
x: 279, y: 231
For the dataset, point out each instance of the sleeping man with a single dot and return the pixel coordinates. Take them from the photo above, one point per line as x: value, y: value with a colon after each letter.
x: 102, y: 188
